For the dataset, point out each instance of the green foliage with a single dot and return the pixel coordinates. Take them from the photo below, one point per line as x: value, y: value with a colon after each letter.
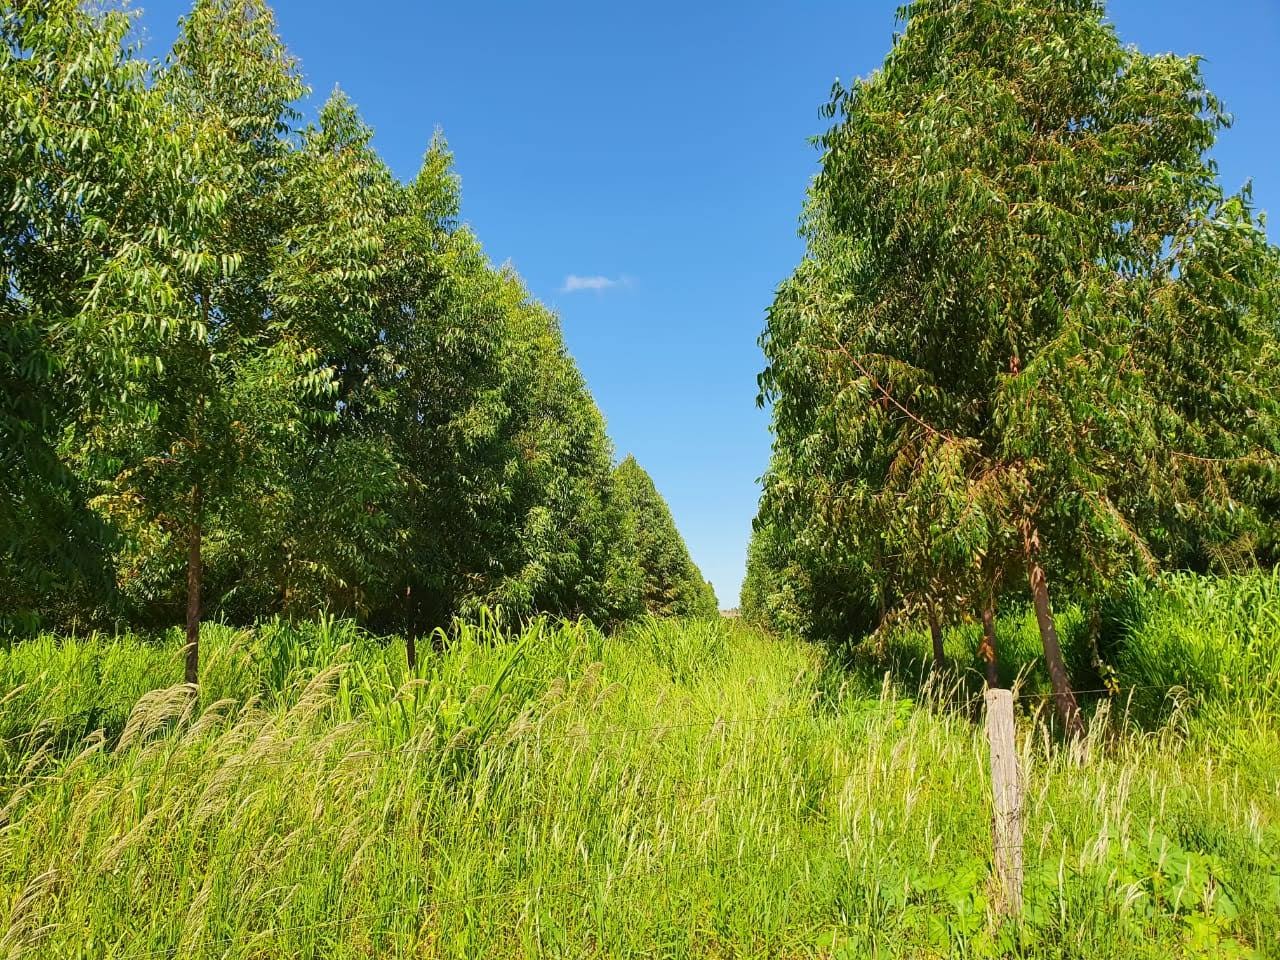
x: 245, y: 369
x: 64, y: 79
x: 685, y: 648
x: 671, y: 584
x: 1210, y: 640
x: 1180, y: 644
x: 221, y: 372
x: 775, y: 592
x: 1030, y: 329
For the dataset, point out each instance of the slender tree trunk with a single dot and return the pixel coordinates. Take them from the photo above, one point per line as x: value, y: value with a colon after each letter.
x: 195, y: 580
x: 935, y: 634
x: 1105, y: 675
x: 880, y: 635
x: 1064, y: 699
x: 195, y: 564
x: 987, y: 648
x: 410, y: 640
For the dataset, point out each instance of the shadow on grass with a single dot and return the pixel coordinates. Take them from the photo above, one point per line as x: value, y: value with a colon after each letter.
x: 903, y: 658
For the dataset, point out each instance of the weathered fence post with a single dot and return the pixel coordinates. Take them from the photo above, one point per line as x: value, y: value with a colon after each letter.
x: 1006, y: 785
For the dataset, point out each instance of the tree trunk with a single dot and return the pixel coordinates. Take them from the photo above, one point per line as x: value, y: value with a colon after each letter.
x: 195, y: 568
x: 935, y: 634
x: 1064, y: 699
x: 410, y: 641
x: 880, y: 634
x: 1100, y: 667
x: 987, y: 648
x: 195, y: 579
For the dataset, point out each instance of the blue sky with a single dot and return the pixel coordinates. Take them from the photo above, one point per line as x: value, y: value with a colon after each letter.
x: 643, y: 165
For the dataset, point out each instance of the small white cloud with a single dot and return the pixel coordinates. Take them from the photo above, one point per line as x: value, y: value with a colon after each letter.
x: 573, y: 283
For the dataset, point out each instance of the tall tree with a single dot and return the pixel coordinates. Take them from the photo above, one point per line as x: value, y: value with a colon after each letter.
x: 323, y: 534
x: 222, y: 376
x: 1018, y: 299
x: 502, y: 453
x: 672, y: 584
x: 79, y: 142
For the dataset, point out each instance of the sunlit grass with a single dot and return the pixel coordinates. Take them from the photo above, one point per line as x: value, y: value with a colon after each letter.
x: 680, y: 789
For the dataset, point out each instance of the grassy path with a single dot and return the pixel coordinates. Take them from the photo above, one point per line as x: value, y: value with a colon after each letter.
x: 683, y: 790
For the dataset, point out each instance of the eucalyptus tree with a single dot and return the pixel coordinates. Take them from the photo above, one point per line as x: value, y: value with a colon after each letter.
x: 323, y: 533
x: 502, y: 462
x: 567, y: 554
x: 776, y: 590
x: 223, y: 377
x: 672, y: 585
x: 435, y: 388
x: 1021, y: 299
x: 872, y: 500
x: 78, y: 147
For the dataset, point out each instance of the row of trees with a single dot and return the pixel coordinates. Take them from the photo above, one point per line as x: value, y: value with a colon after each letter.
x: 242, y: 366
x: 1032, y: 342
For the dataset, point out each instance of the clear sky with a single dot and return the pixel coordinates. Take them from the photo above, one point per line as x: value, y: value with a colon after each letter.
x: 643, y: 166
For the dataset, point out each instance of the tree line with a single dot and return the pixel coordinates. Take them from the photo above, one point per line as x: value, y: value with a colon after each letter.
x: 245, y: 369
x: 1033, y: 346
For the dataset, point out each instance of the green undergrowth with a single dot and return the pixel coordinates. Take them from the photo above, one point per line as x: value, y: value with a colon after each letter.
x: 1177, y: 642
x: 679, y: 789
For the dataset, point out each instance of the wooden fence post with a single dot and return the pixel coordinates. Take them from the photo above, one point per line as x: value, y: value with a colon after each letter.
x: 1006, y: 785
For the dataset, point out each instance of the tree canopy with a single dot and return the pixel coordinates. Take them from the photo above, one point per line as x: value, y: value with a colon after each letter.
x: 247, y: 370
x: 672, y: 584
x: 1032, y: 338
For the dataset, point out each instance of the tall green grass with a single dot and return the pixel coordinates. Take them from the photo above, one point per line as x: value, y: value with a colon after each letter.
x: 678, y: 789
x: 1180, y: 640
x: 1215, y: 639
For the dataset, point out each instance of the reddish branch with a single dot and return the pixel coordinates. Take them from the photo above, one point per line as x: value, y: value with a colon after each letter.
x: 884, y: 392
